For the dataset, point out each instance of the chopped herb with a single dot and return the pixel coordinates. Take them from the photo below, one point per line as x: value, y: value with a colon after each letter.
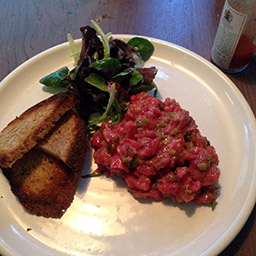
x: 161, y: 136
x: 94, y: 174
x: 202, y: 166
x: 141, y: 121
x: 127, y: 159
x: 188, y: 191
x: 138, y: 124
x: 213, y: 204
x: 170, y: 114
x: 210, y: 159
x: 144, y: 120
x: 172, y: 151
x: 189, y: 145
x: 175, y: 130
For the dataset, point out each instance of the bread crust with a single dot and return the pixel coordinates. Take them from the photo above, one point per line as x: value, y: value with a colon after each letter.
x: 23, y: 132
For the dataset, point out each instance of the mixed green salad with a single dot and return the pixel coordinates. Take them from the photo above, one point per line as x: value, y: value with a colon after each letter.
x: 106, y: 72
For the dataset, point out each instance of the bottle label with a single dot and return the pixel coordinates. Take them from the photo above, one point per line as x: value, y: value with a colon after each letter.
x: 228, y: 34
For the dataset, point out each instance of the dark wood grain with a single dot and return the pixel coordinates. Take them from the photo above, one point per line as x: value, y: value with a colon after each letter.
x: 29, y: 27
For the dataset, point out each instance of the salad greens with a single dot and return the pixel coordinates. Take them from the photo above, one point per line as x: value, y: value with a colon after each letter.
x: 106, y: 63
x: 103, y: 38
x: 106, y: 73
x: 55, y: 79
x: 144, y: 47
x: 97, y: 81
x: 103, y: 117
x: 136, y: 78
x: 74, y: 51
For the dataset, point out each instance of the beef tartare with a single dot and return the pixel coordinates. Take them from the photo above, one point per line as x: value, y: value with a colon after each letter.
x: 159, y: 152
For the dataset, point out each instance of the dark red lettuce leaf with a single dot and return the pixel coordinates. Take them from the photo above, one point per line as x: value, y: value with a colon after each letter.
x: 124, y: 52
x: 90, y: 44
x: 148, y: 74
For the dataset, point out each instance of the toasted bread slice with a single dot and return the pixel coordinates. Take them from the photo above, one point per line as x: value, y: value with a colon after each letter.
x: 44, y: 185
x: 23, y: 132
x: 67, y: 140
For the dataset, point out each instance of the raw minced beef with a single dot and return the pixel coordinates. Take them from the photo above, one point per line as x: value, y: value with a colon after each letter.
x: 159, y: 152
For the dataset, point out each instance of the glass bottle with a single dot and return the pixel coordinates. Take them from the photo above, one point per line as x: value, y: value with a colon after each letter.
x: 235, y: 42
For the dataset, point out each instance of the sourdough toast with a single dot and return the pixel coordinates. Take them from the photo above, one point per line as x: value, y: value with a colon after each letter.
x: 22, y: 133
x: 44, y: 185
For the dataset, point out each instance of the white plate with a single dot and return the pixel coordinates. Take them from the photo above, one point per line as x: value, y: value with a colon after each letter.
x: 104, y: 219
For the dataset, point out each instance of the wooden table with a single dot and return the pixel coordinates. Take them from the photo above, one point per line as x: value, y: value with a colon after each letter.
x: 29, y: 27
